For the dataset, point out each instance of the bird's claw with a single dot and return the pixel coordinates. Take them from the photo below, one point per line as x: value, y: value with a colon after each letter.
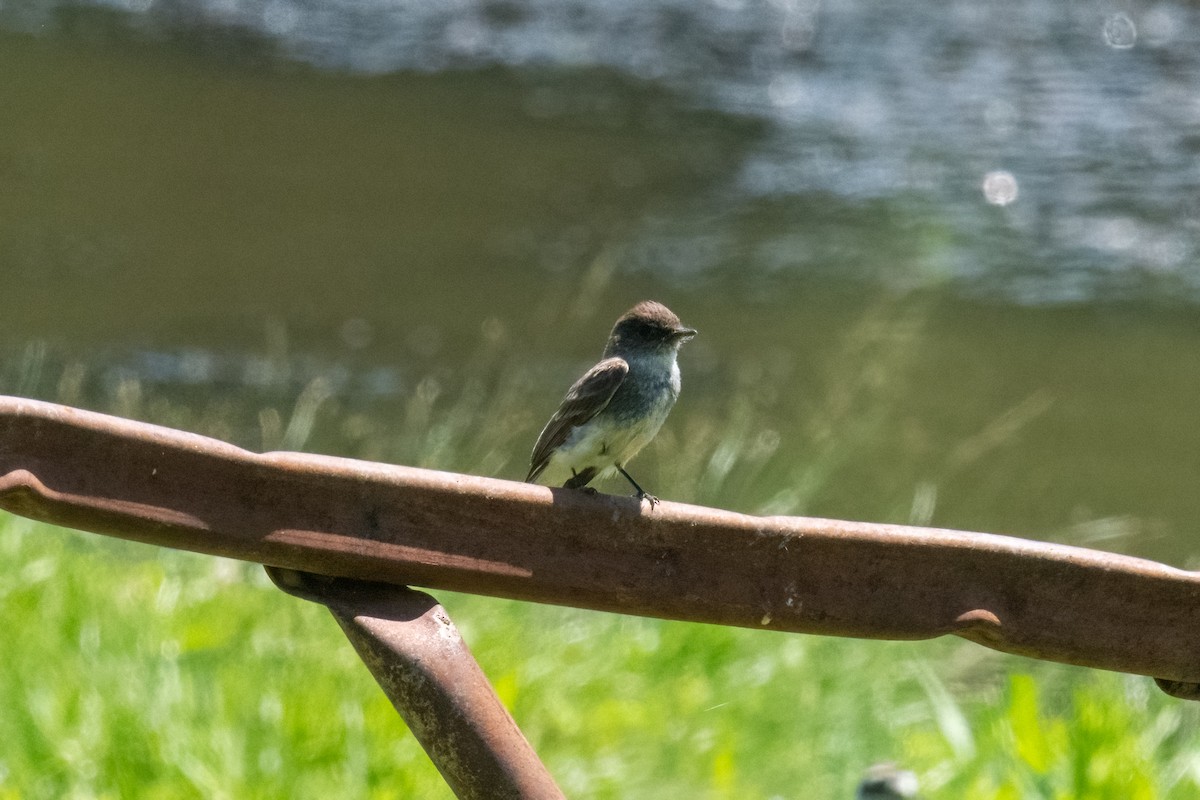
x: 589, y: 490
x: 654, y: 501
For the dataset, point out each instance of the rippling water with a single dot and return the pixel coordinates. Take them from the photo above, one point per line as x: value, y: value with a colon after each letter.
x: 1086, y: 114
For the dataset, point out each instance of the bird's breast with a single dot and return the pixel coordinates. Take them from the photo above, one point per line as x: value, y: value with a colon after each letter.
x: 650, y: 389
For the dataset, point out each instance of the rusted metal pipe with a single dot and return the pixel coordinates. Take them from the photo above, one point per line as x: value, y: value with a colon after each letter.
x: 440, y: 530
x: 422, y: 664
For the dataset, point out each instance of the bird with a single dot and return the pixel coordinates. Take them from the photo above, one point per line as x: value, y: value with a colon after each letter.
x: 617, y: 406
x: 887, y: 781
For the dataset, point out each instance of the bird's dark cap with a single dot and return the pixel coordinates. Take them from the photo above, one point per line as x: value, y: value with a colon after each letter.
x: 652, y: 315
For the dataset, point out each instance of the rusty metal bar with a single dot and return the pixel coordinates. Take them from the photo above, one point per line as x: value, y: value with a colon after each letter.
x: 441, y: 530
x: 422, y: 664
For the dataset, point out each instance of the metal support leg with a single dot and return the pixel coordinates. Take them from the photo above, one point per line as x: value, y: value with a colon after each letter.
x: 416, y: 654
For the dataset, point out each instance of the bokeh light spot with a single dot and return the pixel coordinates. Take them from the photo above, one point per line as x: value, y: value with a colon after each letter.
x: 1000, y: 188
x: 1119, y: 31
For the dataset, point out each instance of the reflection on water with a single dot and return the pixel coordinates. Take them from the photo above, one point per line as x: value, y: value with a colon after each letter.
x: 943, y: 263
x: 1090, y: 109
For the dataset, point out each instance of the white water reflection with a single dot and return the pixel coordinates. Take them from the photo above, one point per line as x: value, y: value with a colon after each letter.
x: 1000, y: 188
x: 1119, y: 31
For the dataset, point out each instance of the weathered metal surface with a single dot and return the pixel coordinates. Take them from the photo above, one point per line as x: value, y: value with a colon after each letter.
x: 440, y: 530
x: 416, y: 654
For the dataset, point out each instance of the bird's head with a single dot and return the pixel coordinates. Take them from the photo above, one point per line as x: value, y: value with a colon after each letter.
x: 648, y: 327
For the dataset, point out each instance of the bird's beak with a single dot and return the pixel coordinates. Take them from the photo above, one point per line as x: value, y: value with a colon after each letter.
x: 684, y: 333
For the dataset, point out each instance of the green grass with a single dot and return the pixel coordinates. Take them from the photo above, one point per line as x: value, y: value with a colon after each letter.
x: 130, y: 672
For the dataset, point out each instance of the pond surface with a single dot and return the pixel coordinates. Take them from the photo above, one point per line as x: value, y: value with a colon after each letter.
x: 944, y: 263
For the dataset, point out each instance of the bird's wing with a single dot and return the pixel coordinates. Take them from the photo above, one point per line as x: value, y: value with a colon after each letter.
x: 584, y: 400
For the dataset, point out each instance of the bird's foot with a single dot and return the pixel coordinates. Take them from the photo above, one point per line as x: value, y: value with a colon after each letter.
x: 641, y: 494
x: 588, y: 490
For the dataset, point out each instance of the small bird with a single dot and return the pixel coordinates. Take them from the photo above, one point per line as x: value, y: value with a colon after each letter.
x: 617, y: 406
x: 887, y: 782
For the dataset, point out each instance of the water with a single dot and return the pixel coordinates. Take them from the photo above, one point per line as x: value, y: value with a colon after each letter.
x: 944, y: 262
x: 1090, y: 108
